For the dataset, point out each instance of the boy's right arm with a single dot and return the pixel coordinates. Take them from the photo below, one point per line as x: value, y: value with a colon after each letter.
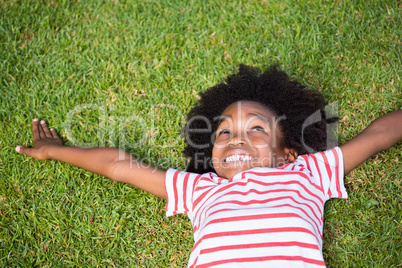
x: 109, y: 162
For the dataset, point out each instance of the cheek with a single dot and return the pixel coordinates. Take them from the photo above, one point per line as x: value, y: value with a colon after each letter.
x: 217, y: 166
x: 214, y: 152
x: 266, y: 156
x: 279, y: 159
x: 257, y: 138
x: 261, y: 142
x: 215, y: 156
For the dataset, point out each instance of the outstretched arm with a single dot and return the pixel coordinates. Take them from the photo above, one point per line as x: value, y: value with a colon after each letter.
x: 109, y: 162
x: 380, y: 135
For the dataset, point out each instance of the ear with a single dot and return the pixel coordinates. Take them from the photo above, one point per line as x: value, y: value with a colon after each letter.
x: 291, y: 155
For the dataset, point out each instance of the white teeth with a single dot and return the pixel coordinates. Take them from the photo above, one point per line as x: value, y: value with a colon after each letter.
x: 237, y: 157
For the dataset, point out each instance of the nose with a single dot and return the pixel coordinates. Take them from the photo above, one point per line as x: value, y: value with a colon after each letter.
x: 236, y: 140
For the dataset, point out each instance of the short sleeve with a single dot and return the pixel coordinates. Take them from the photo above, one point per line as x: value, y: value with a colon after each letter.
x: 327, y: 167
x: 179, y: 187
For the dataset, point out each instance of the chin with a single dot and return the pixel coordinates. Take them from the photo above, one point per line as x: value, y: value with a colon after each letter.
x: 230, y: 174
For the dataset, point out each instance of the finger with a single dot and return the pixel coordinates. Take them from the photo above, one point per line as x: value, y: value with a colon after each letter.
x: 27, y: 151
x: 54, y: 133
x: 22, y: 149
x: 19, y: 149
x: 35, y: 129
x: 45, y: 129
x: 40, y: 129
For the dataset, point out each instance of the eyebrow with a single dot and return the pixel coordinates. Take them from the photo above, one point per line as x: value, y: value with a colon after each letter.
x: 223, y: 117
x: 262, y: 118
x: 258, y: 116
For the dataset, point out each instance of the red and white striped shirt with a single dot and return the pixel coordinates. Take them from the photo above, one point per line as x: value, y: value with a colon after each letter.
x: 262, y: 217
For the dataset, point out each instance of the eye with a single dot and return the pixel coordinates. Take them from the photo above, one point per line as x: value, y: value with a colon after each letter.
x: 223, y: 131
x: 257, y: 129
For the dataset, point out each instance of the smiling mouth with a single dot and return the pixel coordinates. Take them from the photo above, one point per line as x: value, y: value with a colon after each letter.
x: 238, y: 158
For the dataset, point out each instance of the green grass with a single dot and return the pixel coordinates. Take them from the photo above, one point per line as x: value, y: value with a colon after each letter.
x: 94, y: 69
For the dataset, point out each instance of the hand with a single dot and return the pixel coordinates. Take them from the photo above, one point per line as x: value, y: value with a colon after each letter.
x: 43, y: 140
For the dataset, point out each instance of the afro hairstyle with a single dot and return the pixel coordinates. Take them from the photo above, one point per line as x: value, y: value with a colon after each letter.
x: 304, y: 127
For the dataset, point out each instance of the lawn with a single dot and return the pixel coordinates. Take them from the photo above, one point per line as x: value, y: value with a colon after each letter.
x: 125, y: 73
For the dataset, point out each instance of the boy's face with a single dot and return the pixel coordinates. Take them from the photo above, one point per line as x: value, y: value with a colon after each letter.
x: 247, y: 136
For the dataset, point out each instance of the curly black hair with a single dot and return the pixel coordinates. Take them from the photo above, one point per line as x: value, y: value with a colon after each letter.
x: 304, y: 128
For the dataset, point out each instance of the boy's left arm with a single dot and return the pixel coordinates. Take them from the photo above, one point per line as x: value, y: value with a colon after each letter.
x: 380, y: 135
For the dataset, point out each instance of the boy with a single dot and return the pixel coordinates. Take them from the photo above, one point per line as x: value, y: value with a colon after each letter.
x: 254, y: 192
